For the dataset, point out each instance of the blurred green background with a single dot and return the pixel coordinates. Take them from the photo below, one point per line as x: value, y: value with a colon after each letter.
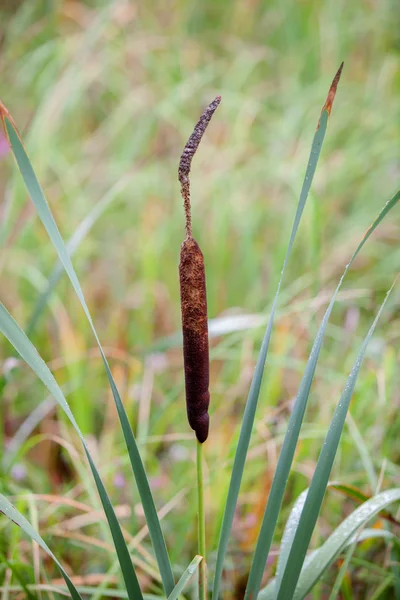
x: 105, y: 95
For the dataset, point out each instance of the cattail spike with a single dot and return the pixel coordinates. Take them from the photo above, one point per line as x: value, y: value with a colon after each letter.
x: 186, y: 159
x: 194, y: 298
x: 195, y: 336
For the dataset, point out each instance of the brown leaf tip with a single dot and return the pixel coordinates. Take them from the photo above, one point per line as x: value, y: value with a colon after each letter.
x: 4, y: 113
x: 332, y: 91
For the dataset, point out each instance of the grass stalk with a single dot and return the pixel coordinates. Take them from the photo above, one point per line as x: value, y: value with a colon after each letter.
x: 201, y: 524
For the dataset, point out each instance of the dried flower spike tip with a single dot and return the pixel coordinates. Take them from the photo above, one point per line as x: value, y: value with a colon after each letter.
x: 194, y: 298
x: 187, y: 155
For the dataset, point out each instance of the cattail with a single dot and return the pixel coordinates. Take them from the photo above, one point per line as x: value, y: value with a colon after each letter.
x: 193, y: 297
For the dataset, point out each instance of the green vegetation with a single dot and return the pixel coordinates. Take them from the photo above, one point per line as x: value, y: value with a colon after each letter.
x: 104, y: 99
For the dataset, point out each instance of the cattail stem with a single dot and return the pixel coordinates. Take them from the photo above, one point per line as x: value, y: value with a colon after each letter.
x: 201, y: 524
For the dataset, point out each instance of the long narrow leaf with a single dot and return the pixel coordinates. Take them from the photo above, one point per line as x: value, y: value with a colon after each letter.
x: 294, y: 518
x: 288, y: 535
x: 351, y: 491
x: 343, y: 571
x: 16, y: 517
x: 42, y: 207
x: 319, y: 482
x: 28, y: 352
x: 322, y: 559
x: 269, y: 592
x: 293, y: 429
x: 87, y: 590
x: 72, y: 245
x: 186, y: 577
x: 252, y: 400
x: 12, y: 566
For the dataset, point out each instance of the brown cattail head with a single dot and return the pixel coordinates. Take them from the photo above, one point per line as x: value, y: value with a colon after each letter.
x: 194, y: 298
x: 195, y: 336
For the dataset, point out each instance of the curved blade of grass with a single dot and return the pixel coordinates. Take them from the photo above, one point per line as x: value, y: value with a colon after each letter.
x: 16, y: 517
x: 10, y: 564
x: 350, y: 491
x: 87, y: 590
x: 72, y: 245
x: 380, y: 591
x: 364, y: 453
x: 353, y: 492
x: 294, y: 518
x: 40, y: 202
x: 252, y: 400
x: 292, y: 433
x: 323, y: 558
x: 25, y: 430
x: 28, y: 352
x: 342, y: 571
x: 319, y: 482
x: 269, y: 592
x: 187, y: 575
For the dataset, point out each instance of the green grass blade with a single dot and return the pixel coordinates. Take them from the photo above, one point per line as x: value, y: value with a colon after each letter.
x: 292, y: 433
x: 354, y: 493
x: 16, y: 517
x: 288, y: 535
x: 321, y: 475
x: 394, y: 557
x: 86, y: 590
x: 342, y: 572
x: 40, y: 202
x: 294, y: 518
x: 269, y: 592
x: 380, y: 591
x: 252, y: 400
x: 72, y: 245
x: 28, y: 352
x: 11, y: 565
x: 350, y: 491
x: 187, y: 575
x: 340, y: 538
x: 365, y: 456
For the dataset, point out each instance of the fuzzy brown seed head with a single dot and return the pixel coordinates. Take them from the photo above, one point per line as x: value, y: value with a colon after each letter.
x: 195, y: 336
x: 193, y: 285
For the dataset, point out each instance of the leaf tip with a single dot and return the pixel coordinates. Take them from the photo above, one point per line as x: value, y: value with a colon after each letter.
x: 332, y: 91
x: 5, y: 114
x: 331, y: 94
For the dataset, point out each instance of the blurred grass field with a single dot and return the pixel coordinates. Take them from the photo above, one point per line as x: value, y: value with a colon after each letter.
x: 105, y: 96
